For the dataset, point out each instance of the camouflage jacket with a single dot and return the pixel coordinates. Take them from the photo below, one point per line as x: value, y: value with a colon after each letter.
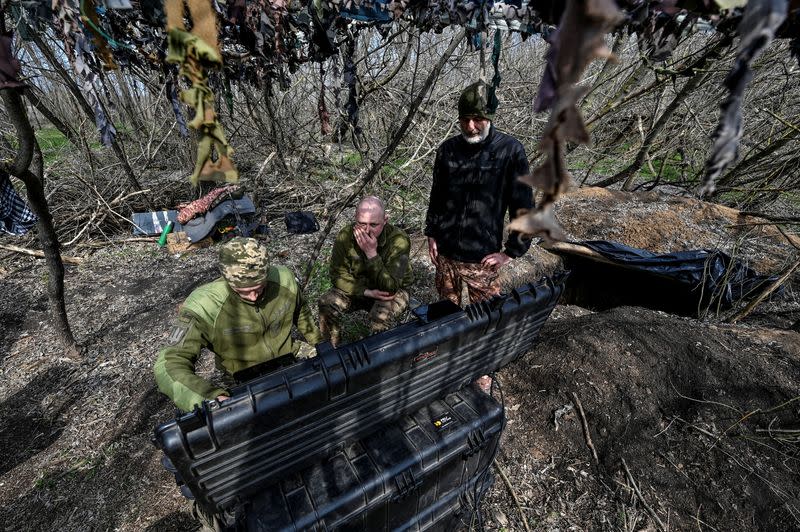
x: 352, y: 273
x: 241, y: 334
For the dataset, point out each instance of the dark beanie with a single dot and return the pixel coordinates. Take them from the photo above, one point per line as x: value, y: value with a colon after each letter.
x: 474, y: 101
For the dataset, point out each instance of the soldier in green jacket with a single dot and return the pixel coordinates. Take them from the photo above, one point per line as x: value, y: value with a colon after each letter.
x: 369, y: 269
x: 245, y: 317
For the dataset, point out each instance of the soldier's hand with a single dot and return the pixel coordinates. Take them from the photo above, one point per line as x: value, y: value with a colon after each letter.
x: 367, y: 242
x: 378, y: 294
x: 496, y: 260
x: 221, y: 398
x: 433, y: 250
x: 305, y: 351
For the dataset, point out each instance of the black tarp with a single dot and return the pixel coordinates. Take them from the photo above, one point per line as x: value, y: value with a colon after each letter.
x: 683, y: 282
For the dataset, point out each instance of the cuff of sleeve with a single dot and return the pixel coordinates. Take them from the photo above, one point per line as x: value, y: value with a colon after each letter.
x: 217, y: 391
x: 515, y: 248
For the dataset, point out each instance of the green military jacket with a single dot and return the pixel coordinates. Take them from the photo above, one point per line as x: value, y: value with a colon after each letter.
x: 352, y: 273
x: 240, y: 333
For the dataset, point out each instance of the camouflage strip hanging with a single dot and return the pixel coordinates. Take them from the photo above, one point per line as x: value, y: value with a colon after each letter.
x: 84, y: 62
x: 92, y: 24
x: 195, y: 53
x: 757, y: 29
x: 580, y: 40
x: 324, y: 115
x: 9, y: 65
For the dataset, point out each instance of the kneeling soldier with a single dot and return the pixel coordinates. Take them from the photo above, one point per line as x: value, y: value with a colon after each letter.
x: 245, y: 317
x: 369, y: 269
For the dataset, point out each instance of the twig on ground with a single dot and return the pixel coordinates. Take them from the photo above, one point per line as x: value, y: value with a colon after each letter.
x: 40, y: 254
x: 753, y: 412
x: 703, y: 400
x: 118, y: 241
x: 585, y: 426
x: 513, y: 494
x: 763, y: 295
x: 639, y: 496
x: 264, y: 165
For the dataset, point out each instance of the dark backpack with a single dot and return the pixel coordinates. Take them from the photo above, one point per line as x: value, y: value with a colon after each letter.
x: 301, y: 222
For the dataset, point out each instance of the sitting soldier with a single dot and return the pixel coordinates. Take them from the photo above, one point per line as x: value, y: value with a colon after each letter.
x: 245, y: 317
x: 369, y: 269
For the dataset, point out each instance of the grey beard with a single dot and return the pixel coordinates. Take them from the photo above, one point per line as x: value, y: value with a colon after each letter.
x: 480, y: 137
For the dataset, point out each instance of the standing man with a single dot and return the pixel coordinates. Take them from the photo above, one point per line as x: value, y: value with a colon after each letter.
x: 245, y: 317
x: 474, y: 184
x: 369, y: 269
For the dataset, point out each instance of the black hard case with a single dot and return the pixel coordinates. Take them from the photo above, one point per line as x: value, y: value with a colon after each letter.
x: 277, y: 424
x: 419, y: 473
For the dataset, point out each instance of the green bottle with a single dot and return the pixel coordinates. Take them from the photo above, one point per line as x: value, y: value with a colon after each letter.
x: 163, y: 240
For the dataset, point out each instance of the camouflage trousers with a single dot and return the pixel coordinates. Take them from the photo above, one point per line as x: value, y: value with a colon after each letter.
x: 482, y: 282
x: 382, y: 314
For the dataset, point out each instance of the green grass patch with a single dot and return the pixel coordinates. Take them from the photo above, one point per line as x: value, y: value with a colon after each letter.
x: 671, y: 171
x: 354, y: 326
x: 52, y: 142
x: 319, y: 282
x: 392, y: 168
x: 352, y: 159
x: 606, y: 166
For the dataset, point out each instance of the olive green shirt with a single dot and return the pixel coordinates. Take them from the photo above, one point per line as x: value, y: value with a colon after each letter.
x: 352, y: 273
x: 241, y: 334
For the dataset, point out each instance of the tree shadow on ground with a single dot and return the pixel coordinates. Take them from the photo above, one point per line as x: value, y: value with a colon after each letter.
x: 121, y: 476
x: 12, y: 317
x: 146, y: 312
x: 27, y: 426
x: 174, y: 522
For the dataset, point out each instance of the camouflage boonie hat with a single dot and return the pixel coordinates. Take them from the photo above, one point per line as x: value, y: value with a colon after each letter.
x: 243, y: 262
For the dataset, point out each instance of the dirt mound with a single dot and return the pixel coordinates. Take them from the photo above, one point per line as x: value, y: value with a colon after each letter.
x: 662, y: 223
x: 696, y: 411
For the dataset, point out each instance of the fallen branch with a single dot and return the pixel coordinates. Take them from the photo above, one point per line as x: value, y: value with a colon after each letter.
x: 639, y: 496
x: 585, y: 426
x: 264, y: 165
x: 753, y: 412
x: 118, y: 241
x: 771, y: 217
x: 763, y: 295
x: 513, y: 494
x: 40, y: 254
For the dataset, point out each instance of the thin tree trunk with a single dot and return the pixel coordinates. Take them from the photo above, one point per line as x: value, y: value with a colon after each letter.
x: 348, y: 117
x: 65, y: 130
x: 29, y: 155
x: 275, y: 135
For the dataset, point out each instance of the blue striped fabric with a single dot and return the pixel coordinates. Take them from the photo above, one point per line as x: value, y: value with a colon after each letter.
x: 16, y: 218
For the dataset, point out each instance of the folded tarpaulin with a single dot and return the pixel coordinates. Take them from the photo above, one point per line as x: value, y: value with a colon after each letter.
x: 713, y: 275
x: 201, y: 226
x: 152, y: 223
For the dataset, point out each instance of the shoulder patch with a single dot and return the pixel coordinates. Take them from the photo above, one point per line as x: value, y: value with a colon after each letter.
x: 178, y: 332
